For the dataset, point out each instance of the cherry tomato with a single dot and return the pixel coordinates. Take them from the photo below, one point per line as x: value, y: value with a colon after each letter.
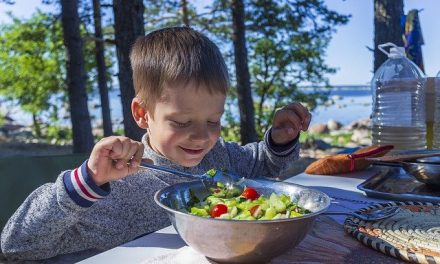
x: 218, y: 210
x: 250, y: 193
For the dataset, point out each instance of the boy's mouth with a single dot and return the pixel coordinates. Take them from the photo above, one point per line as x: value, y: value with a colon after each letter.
x: 192, y: 151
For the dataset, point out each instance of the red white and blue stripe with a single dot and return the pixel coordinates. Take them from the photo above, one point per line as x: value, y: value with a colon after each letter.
x: 82, y: 189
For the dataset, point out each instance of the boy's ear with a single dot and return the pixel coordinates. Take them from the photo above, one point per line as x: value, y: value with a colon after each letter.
x: 139, y: 113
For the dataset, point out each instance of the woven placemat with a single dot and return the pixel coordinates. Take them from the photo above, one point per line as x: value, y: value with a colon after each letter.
x: 412, y: 235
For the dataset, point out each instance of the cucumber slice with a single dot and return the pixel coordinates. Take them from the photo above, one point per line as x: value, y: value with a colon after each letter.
x: 276, y: 203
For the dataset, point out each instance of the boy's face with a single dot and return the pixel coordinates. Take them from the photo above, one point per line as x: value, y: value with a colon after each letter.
x: 186, y: 125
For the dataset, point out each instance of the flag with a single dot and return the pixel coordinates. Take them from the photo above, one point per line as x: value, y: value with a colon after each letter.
x: 413, y: 38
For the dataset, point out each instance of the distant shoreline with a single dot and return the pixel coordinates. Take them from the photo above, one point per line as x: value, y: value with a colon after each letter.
x: 347, y: 94
x: 353, y: 86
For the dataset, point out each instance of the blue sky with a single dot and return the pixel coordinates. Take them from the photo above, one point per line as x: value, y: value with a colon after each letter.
x: 347, y: 51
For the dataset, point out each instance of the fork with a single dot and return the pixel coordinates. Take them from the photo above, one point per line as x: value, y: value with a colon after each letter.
x: 209, y: 178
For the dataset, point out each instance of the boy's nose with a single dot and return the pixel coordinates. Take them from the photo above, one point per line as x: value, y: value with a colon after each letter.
x: 200, y: 132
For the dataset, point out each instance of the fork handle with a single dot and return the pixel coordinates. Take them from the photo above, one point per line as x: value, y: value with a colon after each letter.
x: 146, y: 165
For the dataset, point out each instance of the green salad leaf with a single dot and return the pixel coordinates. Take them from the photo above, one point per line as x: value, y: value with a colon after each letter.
x: 233, y: 204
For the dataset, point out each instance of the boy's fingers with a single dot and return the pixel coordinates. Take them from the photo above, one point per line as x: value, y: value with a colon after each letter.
x: 307, y: 122
x: 126, y: 149
x: 302, y: 113
x: 136, y: 154
x: 299, y: 109
x: 288, y: 116
x: 136, y: 160
x: 130, y: 150
x: 116, y: 148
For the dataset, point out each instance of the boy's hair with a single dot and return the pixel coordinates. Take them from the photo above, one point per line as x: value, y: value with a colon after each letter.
x: 176, y: 55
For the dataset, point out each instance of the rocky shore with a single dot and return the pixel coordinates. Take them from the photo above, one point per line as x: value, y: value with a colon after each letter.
x: 333, y: 137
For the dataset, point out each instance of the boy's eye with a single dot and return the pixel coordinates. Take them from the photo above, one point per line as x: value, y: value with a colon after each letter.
x: 214, y: 123
x: 179, y: 124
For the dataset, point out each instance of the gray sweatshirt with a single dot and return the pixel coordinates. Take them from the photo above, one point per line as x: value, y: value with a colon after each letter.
x: 73, y: 214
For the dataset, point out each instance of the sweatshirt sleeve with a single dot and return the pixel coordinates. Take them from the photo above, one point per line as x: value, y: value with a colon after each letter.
x: 262, y: 159
x: 46, y: 222
x: 82, y: 189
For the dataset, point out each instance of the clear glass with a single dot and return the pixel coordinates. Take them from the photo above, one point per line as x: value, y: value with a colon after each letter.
x: 398, y: 114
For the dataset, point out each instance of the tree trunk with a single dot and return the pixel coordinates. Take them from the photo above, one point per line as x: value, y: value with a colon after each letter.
x: 37, y: 127
x: 102, y: 80
x: 387, y: 28
x: 76, y: 78
x: 129, y: 24
x: 185, y: 18
x: 244, y: 93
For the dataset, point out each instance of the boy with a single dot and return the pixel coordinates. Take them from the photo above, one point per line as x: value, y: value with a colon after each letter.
x: 181, y: 82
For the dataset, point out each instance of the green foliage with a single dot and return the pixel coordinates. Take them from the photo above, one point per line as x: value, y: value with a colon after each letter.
x: 167, y: 13
x: 58, y: 134
x: 287, y: 42
x: 31, y: 59
x: 2, y: 119
x: 33, y: 69
x: 340, y: 139
x: 230, y: 123
x: 119, y: 131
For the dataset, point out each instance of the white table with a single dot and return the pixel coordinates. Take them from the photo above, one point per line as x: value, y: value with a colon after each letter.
x: 166, y: 241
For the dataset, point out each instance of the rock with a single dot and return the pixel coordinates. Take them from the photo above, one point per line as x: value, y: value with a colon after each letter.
x: 364, y: 123
x: 97, y: 132
x: 315, y: 144
x: 341, y: 141
x: 351, y: 145
x: 333, y: 125
x: 365, y: 141
x: 319, y: 129
x: 359, y: 135
x: 8, y: 129
x: 338, y: 132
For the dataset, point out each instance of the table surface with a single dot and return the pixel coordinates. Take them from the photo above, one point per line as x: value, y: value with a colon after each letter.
x: 342, y: 190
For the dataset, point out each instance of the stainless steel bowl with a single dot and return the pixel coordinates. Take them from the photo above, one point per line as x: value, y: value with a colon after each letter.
x: 426, y: 170
x: 235, y: 241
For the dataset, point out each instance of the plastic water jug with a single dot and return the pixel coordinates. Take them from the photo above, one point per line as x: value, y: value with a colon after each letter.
x: 398, y: 114
x: 432, y: 112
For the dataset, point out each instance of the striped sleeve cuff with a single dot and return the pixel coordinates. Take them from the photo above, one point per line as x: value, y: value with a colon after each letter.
x: 280, y: 150
x: 82, y: 189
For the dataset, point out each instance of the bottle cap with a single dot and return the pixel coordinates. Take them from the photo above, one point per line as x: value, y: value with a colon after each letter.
x: 395, y: 51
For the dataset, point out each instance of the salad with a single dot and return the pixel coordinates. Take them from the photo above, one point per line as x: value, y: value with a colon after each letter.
x: 224, y: 203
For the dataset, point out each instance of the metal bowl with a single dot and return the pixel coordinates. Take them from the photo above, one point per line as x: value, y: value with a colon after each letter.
x: 235, y: 241
x: 426, y: 170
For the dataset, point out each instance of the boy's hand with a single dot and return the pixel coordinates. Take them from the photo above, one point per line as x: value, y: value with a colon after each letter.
x: 288, y: 121
x: 113, y: 158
